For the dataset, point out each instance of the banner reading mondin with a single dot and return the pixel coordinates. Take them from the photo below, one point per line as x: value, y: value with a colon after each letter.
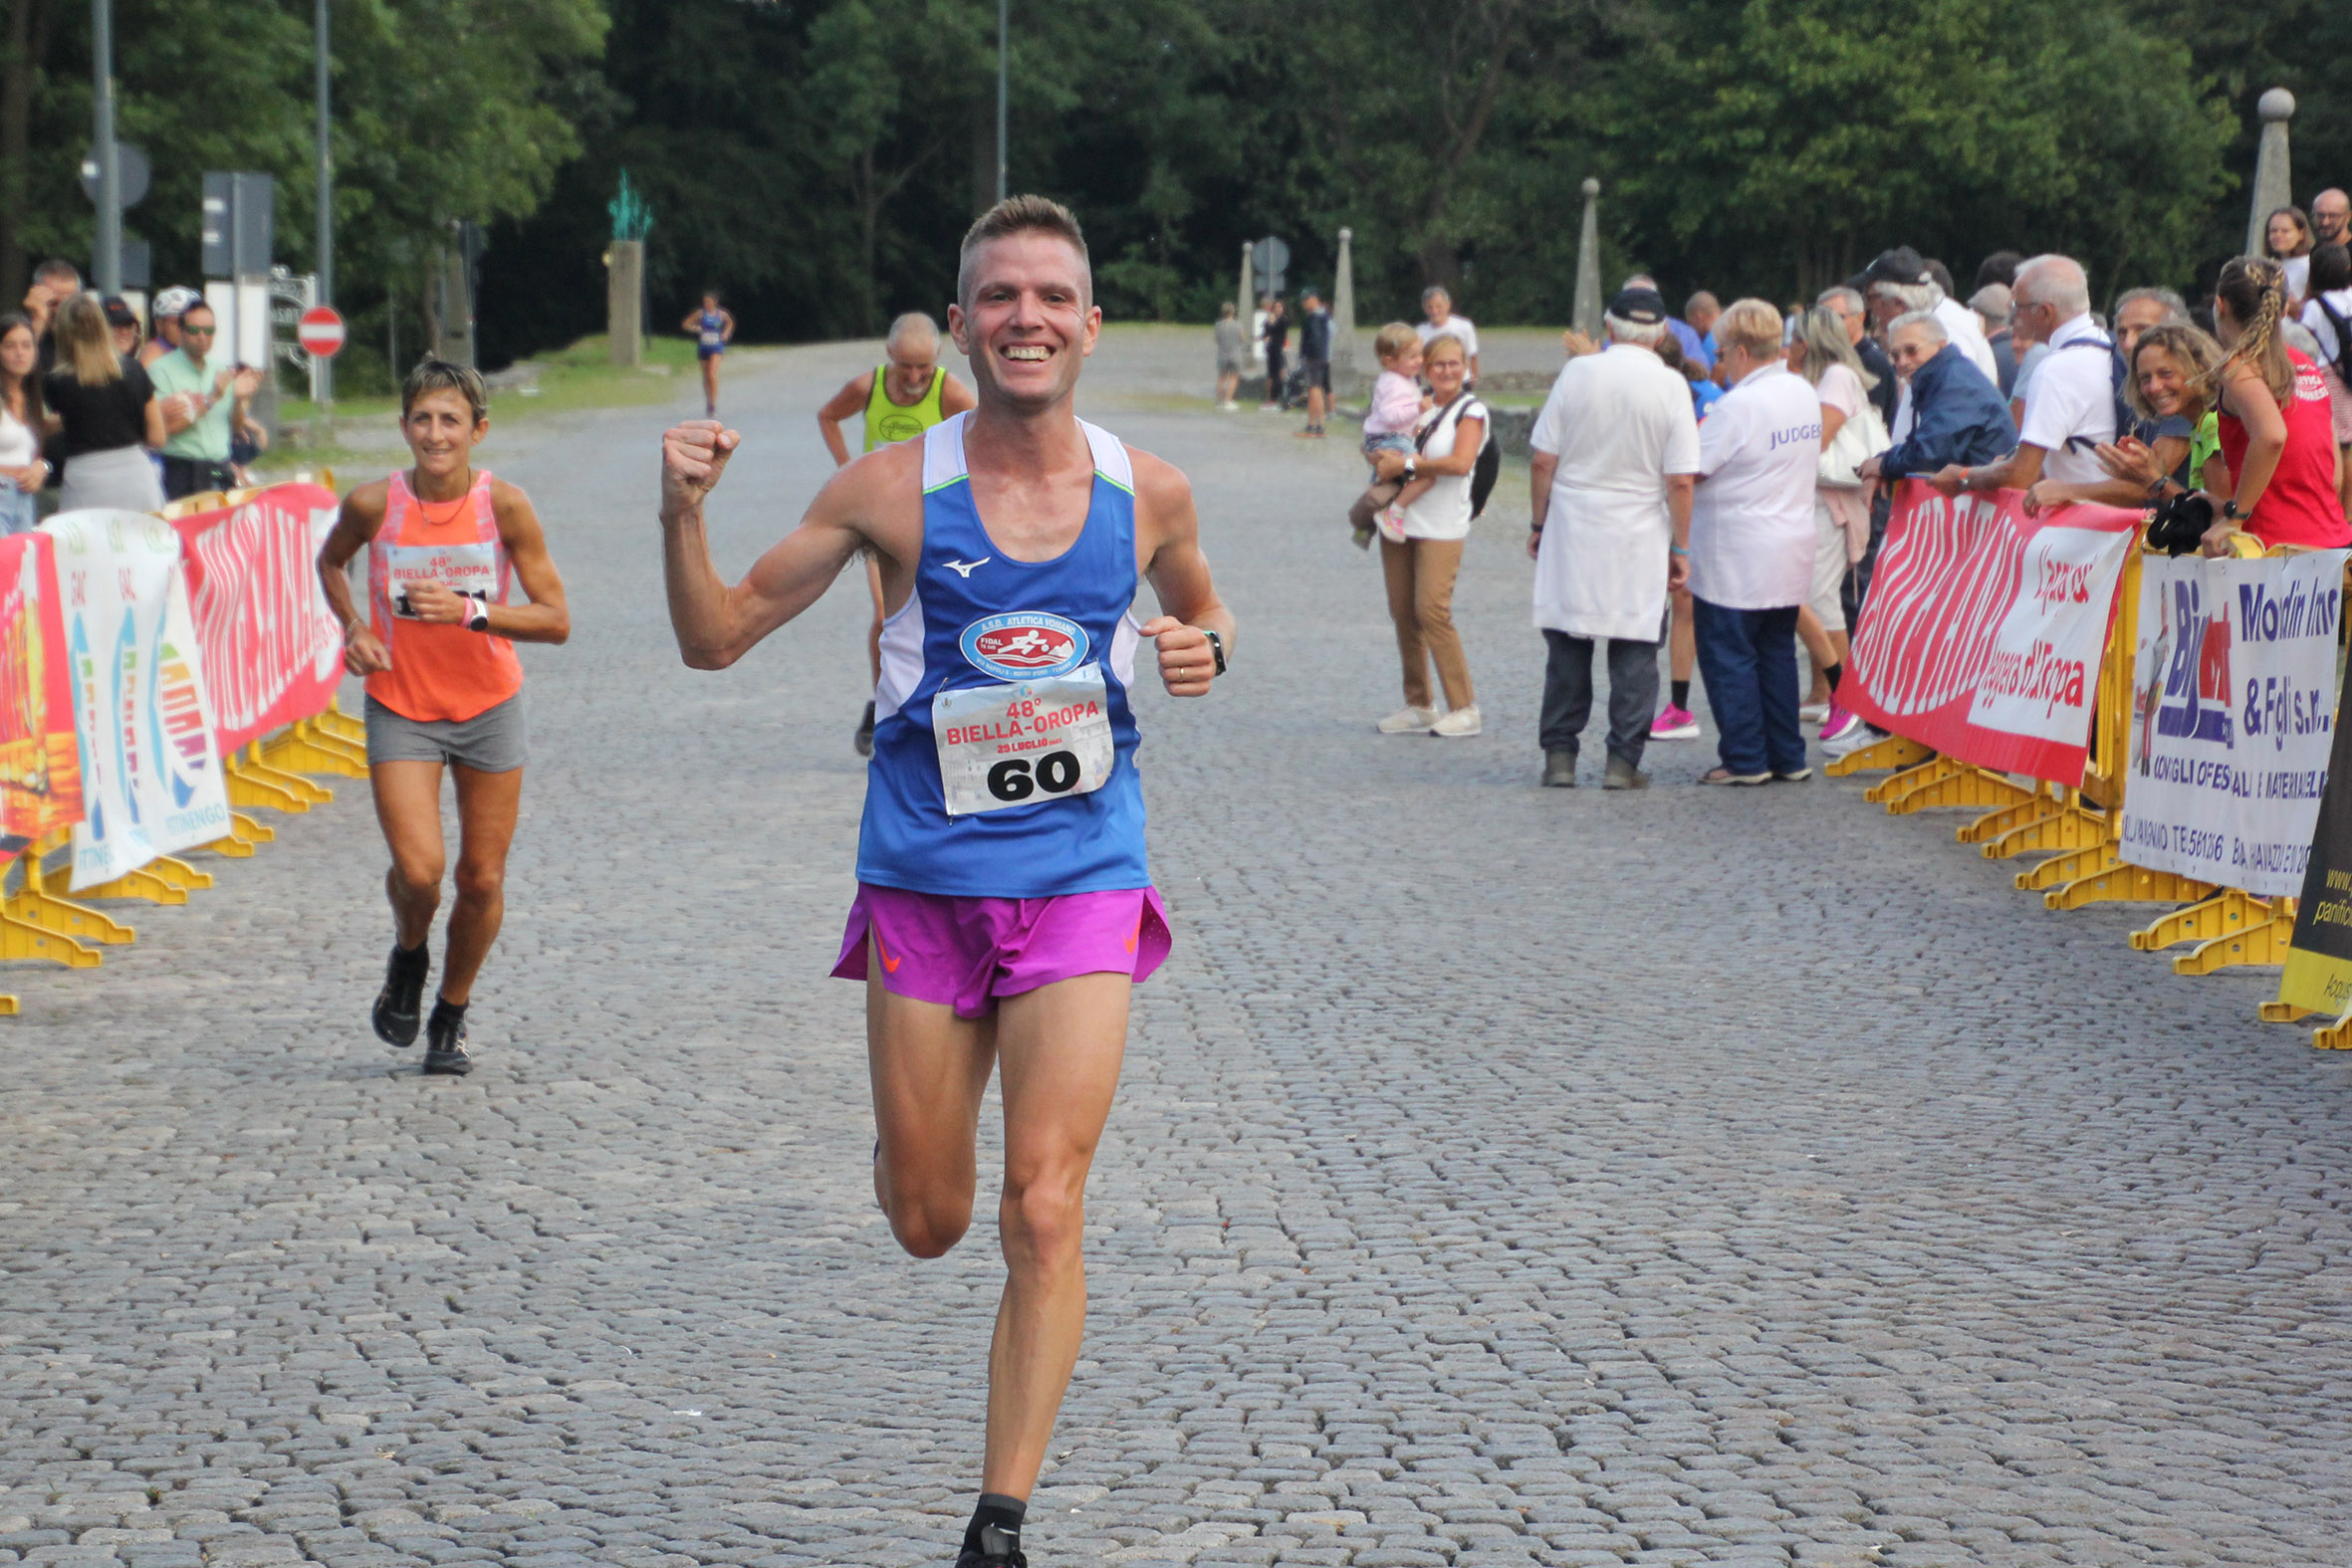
x: 150, y: 779
x: 2234, y: 701
x: 40, y: 763
x: 1983, y: 628
x: 272, y: 650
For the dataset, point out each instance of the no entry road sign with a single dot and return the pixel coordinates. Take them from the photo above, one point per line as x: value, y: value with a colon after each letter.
x: 321, y: 331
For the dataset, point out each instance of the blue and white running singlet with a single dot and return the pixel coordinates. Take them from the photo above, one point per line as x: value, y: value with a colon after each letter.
x: 1004, y: 761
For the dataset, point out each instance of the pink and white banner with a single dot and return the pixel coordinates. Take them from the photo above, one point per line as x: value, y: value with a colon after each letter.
x: 1983, y: 628
x: 273, y: 652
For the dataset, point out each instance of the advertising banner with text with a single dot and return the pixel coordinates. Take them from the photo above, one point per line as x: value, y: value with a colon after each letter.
x: 1984, y: 627
x: 2319, y: 957
x: 2234, y: 701
x: 272, y: 651
x: 40, y: 761
x: 150, y: 779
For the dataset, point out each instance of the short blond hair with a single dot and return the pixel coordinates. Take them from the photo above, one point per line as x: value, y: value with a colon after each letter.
x: 1393, y: 341
x: 1753, y: 324
x: 1430, y: 345
x: 1024, y: 215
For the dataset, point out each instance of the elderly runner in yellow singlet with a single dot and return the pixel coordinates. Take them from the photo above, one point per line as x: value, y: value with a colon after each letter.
x: 903, y: 396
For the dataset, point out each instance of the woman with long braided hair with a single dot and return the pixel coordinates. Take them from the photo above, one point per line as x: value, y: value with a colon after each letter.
x: 2277, y: 436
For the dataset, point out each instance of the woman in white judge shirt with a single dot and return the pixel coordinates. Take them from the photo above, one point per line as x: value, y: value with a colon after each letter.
x: 1750, y: 544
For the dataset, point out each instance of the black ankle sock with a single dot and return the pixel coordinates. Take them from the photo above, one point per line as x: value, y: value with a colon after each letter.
x: 446, y: 1015
x: 1000, y: 1513
x: 1833, y: 674
x: 1682, y: 694
x: 415, y: 958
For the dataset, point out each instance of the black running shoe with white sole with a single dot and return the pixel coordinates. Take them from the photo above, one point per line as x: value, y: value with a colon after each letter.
x: 444, y: 1042
x: 997, y: 1549
x: 395, y: 1015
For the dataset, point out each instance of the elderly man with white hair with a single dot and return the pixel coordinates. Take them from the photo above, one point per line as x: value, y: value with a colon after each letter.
x: 1611, y: 460
x: 1899, y: 283
x: 2070, y: 403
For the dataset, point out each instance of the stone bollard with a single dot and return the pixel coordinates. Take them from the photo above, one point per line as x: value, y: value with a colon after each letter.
x: 2273, y: 182
x: 624, y: 295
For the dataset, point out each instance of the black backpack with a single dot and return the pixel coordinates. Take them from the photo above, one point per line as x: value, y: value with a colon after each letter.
x: 2343, y: 339
x: 2125, y: 421
x: 1488, y: 466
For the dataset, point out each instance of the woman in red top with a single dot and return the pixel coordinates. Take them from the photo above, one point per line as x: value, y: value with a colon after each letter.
x: 2277, y: 436
x: 444, y: 688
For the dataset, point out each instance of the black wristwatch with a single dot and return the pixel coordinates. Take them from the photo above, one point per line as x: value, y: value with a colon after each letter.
x: 2230, y: 510
x: 1217, y: 647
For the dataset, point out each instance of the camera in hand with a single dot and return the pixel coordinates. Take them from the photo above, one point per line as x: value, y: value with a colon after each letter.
x: 2179, y: 523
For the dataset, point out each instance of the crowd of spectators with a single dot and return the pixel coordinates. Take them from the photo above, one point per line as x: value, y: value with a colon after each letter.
x: 95, y: 412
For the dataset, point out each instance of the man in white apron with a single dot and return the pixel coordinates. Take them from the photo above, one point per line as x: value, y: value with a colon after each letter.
x: 1613, y: 458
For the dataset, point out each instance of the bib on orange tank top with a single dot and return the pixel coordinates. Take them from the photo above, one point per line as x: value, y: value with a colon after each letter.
x: 439, y: 671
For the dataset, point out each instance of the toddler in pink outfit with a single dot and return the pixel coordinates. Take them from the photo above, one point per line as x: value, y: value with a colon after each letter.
x: 1397, y: 407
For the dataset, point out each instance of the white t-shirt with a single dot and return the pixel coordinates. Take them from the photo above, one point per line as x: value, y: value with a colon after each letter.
x: 1841, y: 388
x: 1443, y: 512
x: 2315, y: 319
x: 1458, y: 324
x: 2298, y: 275
x: 1961, y: 326
x: 1752, y: 524
x: 18, y: 444
x: 1618, y: 422
x: 2070, y: 403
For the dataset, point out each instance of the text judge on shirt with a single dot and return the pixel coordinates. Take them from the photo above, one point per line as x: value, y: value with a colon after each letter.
x: 1750, y: 542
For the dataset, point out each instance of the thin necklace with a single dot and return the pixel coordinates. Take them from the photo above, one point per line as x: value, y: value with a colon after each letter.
x: 425, y: 508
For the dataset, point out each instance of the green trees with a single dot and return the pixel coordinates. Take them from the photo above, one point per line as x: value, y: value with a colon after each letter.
x: 817, y: 158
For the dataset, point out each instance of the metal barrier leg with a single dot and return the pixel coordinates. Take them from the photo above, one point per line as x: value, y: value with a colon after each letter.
x: 21, y: 941
x: 1894, y: 751
x: 2071, y: 867
x: 34, y: 905
x: 2126, y: 884
x: 1978, y: 787
x: 2257, y: 945
x: 2226, y: 914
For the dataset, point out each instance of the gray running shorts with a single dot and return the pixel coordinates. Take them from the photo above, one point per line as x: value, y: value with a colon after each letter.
x: 494, y: 740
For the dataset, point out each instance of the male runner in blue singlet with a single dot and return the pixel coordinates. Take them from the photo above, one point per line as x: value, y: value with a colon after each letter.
x: 713, y: 326
x: 1004, y: 907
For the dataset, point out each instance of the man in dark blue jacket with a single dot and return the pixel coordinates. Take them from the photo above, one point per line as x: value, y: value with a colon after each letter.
x: 1958, y: 415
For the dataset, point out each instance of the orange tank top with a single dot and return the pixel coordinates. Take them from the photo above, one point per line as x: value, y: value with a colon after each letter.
x: 439, y: 671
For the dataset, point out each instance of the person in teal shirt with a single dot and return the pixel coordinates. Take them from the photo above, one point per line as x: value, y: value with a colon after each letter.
x: 204, y: 397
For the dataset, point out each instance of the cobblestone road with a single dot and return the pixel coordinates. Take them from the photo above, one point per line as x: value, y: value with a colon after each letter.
x: 1502, y: 1176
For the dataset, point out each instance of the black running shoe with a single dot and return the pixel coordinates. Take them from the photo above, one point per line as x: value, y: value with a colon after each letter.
x: 397, y: 1005
x: 997, y: 1549
x: 863, y: 740
x: 444, y: 1046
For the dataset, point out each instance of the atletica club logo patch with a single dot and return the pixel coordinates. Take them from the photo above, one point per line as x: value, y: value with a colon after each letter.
x: 1025, y: 645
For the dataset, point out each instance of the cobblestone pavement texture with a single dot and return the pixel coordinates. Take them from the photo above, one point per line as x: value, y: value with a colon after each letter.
x: 1501, y: 1175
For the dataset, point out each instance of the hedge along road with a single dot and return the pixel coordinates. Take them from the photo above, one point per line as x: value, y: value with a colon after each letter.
x: 1501, y: 1175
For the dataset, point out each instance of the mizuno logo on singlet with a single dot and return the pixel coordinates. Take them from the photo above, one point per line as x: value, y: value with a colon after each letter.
x: 965, y: 568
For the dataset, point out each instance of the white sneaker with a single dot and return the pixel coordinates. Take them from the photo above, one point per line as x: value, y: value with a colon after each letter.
x: 1408, y: 720
x: 1462, y: 720
x: 1813, y: 712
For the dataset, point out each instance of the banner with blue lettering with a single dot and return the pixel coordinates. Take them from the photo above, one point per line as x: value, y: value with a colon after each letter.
x: 152, y: 781
x: 2233, y: 701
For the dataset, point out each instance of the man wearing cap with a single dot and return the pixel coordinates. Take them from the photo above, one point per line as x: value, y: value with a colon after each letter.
x: 1899, y: 283
x: 202, y: 394
x: 1611, y: 458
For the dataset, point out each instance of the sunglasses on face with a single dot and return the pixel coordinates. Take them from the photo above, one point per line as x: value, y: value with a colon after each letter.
x: 197, y: 331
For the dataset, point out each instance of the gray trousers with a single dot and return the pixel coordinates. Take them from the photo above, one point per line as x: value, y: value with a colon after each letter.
x: 1568, y: 692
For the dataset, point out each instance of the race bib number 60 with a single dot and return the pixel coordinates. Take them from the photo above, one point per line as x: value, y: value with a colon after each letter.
x: 1032, y: 741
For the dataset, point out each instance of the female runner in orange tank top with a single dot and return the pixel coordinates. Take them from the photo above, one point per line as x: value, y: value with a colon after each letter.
x: 443, y: 684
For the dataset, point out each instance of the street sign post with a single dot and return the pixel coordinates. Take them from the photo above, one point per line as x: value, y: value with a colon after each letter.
x: 1269, y: 259
x: 321, y: 331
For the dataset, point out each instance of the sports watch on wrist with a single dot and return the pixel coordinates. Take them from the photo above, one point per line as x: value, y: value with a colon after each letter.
x: 477, y: 616
x: 1217, y: 647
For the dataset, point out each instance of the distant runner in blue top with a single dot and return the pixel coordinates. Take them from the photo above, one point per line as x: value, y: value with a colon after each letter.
x: 1004, y: 908
x: 713, y: 330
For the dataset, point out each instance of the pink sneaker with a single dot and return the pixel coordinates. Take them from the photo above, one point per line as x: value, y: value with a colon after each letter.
x: 1675, y: 724
x: 1839, y: 724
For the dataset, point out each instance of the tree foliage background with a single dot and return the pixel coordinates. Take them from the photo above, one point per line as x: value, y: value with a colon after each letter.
x: 817, y: 159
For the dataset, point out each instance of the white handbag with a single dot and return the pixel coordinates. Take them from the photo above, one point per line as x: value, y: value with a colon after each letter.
x: 1863, y: 437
